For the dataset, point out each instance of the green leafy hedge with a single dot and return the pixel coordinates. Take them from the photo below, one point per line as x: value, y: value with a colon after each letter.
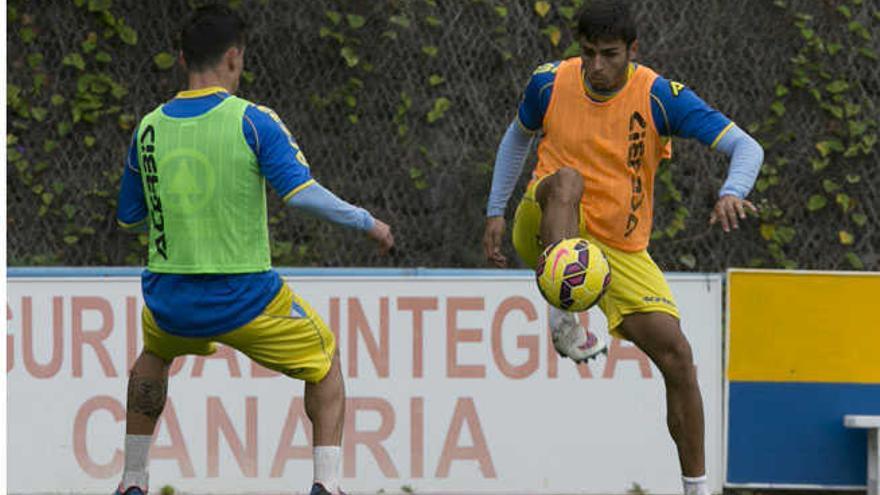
x: 401, y: 105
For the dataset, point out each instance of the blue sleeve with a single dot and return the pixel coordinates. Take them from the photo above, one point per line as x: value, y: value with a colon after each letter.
x: 536, y: 97
x: 131, y: 207
x: 318, y: 201
x: 746, y: 157
x: 679, y: 112
x: 509, y: 161
x: 281, y: 161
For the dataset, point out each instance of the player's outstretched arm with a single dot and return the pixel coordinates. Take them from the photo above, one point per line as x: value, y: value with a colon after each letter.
x: 678, y: 111
x: 284, y: 165
x: 320, y: 202
x: 511, y: 157
x: 509, y: 162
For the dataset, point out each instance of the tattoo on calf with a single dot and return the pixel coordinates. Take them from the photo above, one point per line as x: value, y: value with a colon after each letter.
x: 146, y: 395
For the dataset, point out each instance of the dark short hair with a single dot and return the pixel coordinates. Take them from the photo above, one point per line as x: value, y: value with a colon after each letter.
x: 606, y: 20
x: 207, y: 33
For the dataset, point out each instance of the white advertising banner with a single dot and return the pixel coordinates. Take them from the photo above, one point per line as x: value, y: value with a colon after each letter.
x: 452, y: 383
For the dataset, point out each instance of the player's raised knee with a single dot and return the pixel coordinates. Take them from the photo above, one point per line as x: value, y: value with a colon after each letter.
x: 567, y: 186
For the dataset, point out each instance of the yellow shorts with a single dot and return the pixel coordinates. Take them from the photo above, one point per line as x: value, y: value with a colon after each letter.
x: 287, y: 337
x: 637, y: 284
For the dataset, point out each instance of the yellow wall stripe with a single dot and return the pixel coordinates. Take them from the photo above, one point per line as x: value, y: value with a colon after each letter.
x: 803, y: 326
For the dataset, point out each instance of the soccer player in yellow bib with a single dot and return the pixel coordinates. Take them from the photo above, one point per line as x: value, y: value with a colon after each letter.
x: 605, y: 124
x: 195, y: 180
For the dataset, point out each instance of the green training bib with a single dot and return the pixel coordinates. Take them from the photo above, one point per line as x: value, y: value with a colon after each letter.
x: 204, y: 191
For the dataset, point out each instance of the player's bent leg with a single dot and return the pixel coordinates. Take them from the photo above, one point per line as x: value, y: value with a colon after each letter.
x: 550, y: 211
x: 147, y: 393
x: 560, y: 198
x: 291, y: 338
x: 659, y: 336
x: 325, y: 407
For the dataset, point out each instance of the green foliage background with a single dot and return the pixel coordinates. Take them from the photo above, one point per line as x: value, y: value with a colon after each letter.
x: 400, y: 105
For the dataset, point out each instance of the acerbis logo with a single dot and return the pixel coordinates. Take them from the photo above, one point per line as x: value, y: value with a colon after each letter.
x: 151, y: 179
x: 637, y: 131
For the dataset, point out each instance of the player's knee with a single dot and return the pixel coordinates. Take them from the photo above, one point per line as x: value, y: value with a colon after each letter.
x: 567, y: 186
x: 335, y: 372
x: 332, y: 381
x: 676, y: 362
x: 153, y: 360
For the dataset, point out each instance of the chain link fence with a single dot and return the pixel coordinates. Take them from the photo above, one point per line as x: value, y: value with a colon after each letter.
x: 399, y: 106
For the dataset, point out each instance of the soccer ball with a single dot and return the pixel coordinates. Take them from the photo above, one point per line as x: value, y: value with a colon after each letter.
x: 572, y: 274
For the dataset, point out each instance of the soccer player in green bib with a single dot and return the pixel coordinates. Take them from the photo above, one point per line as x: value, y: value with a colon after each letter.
x: 195, y: 180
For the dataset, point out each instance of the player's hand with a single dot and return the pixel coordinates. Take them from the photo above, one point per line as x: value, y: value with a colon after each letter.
x: 729, y: 210
x: 492, y: 241
x: 381, y: 233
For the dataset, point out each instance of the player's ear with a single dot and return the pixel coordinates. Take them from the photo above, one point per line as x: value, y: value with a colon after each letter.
x: 181, y: 60
x: 231, y: 58
x: 633, y: 49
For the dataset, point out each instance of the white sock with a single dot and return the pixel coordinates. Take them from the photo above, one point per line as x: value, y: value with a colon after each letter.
x: 137, y: 454
x: 327, y: 461
x: 695, y: 486
x: 557, y: 316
